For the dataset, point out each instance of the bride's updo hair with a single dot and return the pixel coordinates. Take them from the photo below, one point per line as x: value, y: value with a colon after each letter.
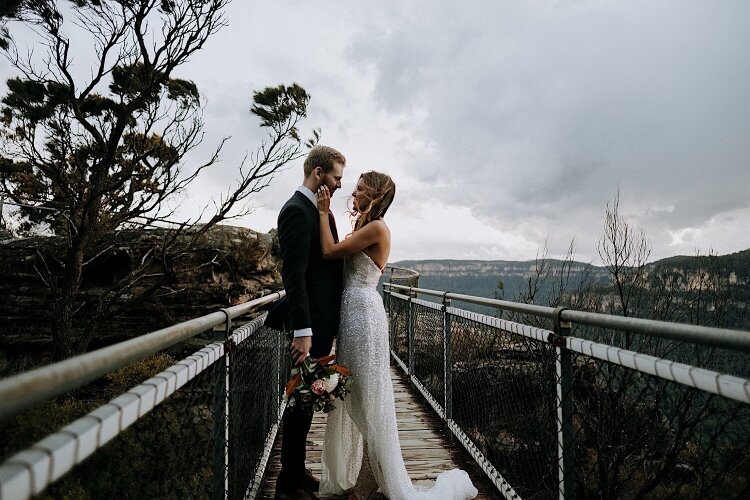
x: 379, y: 189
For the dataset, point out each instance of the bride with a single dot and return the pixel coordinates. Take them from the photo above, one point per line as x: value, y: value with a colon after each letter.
x: 361, y: 450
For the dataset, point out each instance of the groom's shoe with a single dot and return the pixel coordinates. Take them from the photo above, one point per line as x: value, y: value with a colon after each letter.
x: 298, y: 494
x: 312, y: 483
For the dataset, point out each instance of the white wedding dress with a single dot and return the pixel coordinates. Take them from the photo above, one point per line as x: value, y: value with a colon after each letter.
x: 368, y: 415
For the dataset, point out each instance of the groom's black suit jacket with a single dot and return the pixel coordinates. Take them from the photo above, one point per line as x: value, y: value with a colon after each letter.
x: 313, y: 285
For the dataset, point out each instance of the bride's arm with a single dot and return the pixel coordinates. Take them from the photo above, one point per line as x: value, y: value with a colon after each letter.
x: 358, y: 241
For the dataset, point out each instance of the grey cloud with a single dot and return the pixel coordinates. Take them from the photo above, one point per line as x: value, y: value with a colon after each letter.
x: 543, y: 113
x: 529, y: 116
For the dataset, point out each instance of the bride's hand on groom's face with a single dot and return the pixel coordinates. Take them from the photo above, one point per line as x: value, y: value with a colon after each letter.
x: 324, y: 199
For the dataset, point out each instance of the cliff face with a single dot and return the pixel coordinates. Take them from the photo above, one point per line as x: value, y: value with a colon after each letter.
x: 733, y: 267
x: 722, y: 277
x: 230, y: 265
x: 452, y: 268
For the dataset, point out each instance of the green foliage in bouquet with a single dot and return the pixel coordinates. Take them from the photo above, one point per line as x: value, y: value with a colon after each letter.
x: 316, y: 383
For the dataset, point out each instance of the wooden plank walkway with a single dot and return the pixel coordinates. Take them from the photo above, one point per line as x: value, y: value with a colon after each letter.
x: 425, y: 444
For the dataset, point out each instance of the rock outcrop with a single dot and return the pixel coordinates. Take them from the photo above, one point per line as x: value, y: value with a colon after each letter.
x: 229, y: 265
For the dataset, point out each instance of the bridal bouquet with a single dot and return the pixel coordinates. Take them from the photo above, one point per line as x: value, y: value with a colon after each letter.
x: 316, y: 383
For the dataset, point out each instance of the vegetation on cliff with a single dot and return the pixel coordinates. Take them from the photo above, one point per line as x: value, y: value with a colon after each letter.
x: 225, y: 266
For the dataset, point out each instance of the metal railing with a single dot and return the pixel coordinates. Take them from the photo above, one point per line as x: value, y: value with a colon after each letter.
x: 576, y: 410
x: 401, y: 275
x: 548, y: 414
x: 201, y: 428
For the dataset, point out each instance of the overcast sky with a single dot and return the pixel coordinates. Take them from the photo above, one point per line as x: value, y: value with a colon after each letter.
x: 502, y: 123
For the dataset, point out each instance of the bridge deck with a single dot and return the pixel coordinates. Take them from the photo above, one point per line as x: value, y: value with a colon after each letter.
x: 425, y: 445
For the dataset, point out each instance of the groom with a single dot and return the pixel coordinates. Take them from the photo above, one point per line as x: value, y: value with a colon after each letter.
x: 313, y: 298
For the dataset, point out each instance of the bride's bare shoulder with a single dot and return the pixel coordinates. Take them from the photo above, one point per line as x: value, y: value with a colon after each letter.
x: 380, y: 225
x: 375, y: 226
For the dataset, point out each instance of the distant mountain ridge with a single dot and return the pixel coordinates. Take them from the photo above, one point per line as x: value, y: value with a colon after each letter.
x: 468, y: 265
x: 481, y: 277
x: 460, y: 267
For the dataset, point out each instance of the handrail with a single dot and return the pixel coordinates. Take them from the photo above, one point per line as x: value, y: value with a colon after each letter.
x: 542, y: 311
x: 27, y: 389
x: 409, y: 273
x: 706, y: 335
x: 574, y: 366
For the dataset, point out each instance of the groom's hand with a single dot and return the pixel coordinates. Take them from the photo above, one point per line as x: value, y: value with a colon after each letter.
x: 300, y: 349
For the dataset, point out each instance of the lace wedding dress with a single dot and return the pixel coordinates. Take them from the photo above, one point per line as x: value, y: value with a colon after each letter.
x: 366, y: 419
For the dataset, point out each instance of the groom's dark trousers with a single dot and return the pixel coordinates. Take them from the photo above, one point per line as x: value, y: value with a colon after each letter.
x: 313, y: 299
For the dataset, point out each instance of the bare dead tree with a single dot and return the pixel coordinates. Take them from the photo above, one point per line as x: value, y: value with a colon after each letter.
x: 624, y: 251
x: 93, y: 157
x: 618, y: 456
x: 639, y: 436
x: 555, y: 282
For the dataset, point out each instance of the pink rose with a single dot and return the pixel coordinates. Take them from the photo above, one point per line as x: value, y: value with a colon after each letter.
x: 318, y: 387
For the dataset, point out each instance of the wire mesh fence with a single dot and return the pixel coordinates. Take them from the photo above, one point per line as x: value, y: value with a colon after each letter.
x: 199, y: 428
x: 551, y: 416
x: 155, y: 440
x: 504, y: 400
x: 259, y: 365
x: 169, y: 453
x: 637, y: 435
x: 428, y: 348
x: 399, y: 319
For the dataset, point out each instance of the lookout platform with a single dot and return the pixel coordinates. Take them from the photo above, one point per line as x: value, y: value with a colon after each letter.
x: 426, y: 446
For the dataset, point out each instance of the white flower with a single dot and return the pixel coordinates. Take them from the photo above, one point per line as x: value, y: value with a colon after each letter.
x: 332, y: 382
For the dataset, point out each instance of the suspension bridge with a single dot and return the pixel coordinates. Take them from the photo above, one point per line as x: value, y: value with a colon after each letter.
x: 533, y: 402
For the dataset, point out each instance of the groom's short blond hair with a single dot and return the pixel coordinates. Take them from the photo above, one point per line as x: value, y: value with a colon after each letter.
x: 323, y: 157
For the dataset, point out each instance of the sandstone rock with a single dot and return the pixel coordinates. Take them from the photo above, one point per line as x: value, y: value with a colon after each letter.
x: 229, y: 265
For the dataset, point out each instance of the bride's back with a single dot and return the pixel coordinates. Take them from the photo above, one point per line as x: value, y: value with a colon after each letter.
x: 360, y: 270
